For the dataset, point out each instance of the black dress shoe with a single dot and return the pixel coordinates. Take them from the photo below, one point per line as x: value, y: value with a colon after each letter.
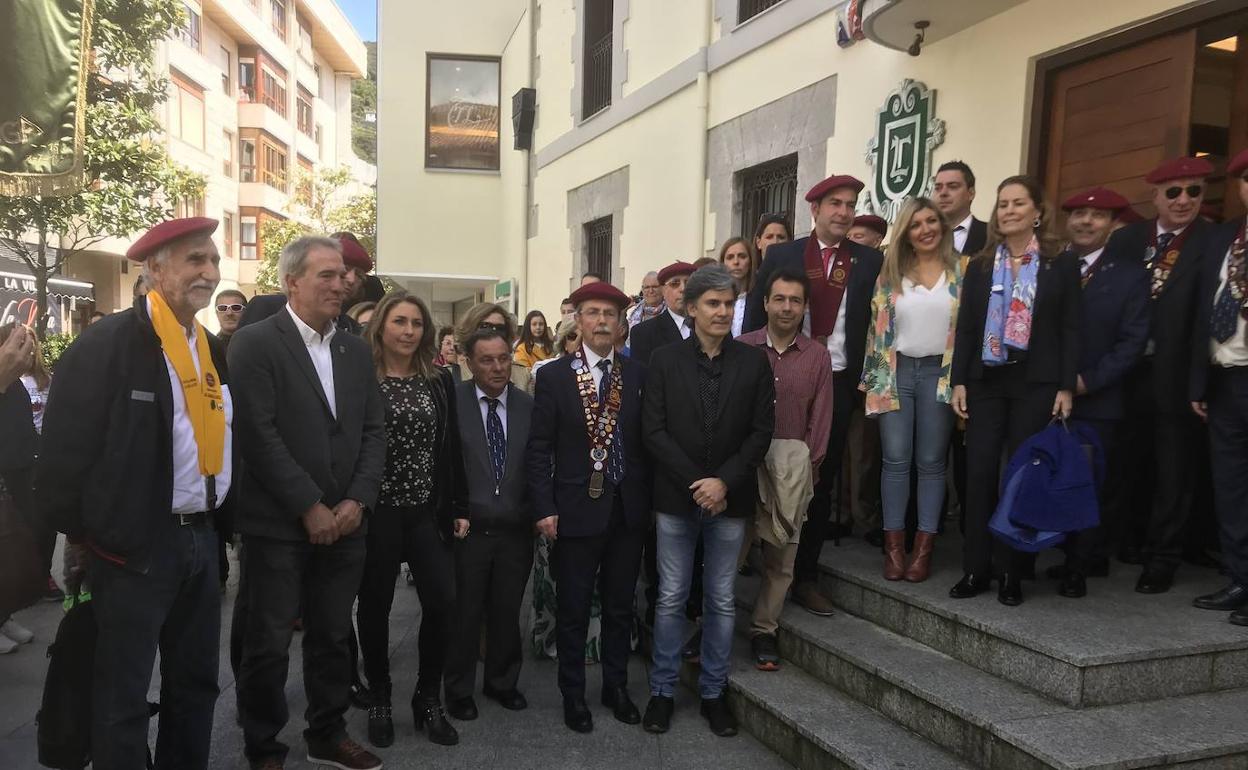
x: 361, y: 698
x: 1230, y: 598
x: 1240, y: 617
x: 512, y: 700
x: 1073, y: 586
x: 1010, y: 591
x: 462, y: 709
x: 380, y: 725
x: 576, y: 715
x: 1154, y: 581
x: 970, y: 585
x: 431, y: 718
x: 658, y: 717
x: 874, y: 538
x: 719, y: 716
x: 622, y: 706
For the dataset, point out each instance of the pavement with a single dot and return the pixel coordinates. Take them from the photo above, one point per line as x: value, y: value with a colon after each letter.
x: 534, y: 738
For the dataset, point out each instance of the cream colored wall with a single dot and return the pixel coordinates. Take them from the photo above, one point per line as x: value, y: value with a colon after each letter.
x: 516, y: 70
x: 554, y: 77
x: 660, y: 35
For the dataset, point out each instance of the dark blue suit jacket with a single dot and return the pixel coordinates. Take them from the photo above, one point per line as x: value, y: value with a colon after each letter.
x: 557, y: 457
x: 1217, y: 244
x: 1113, y: 333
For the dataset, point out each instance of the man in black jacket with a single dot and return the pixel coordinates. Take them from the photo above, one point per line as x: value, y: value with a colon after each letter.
x: 312, y: 428
x: 669, y: 326
x: 144, y: 396
x: 953, y: 190
x: 709, y: 417
x: 1160, y: 433
x: 494, y: 554
x: 1219, y: 391
x: 842, y: 279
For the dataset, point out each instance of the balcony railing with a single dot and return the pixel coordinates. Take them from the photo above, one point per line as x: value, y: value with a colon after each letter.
x: 597, y: 77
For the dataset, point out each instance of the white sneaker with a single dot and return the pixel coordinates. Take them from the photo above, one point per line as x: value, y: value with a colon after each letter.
x: 7, y: 645
x: 18, y: 633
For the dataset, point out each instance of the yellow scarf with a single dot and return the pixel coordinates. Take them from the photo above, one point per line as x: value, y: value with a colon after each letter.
x: 204, y: 404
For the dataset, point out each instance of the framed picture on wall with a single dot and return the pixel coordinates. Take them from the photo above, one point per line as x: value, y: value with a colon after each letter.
x: 462, y: 112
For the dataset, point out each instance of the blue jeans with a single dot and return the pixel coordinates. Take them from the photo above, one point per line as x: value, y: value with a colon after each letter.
x: 916, y: 433
x: 677, y: 541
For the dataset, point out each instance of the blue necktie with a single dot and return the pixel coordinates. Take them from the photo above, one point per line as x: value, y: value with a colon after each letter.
x: 1163, y: 242
x: 495, y: 438
x: 1225, y: 318
x: 615, y: 460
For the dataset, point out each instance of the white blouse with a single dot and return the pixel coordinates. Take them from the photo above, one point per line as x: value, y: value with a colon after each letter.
x: 738, y: 315
x: 921, y: 320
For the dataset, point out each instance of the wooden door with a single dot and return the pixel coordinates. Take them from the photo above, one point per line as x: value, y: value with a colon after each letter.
x: 1114, y: 118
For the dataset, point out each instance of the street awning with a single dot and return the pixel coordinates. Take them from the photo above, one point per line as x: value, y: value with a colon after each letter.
x: 16, y: 278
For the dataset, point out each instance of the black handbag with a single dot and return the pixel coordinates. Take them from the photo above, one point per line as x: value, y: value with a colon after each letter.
x: 64, y: 717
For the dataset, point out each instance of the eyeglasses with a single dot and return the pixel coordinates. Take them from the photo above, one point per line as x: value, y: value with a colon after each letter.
x: 1193, y: 191
x: 230, y: 308
x: 648, y: 287
x: 496, y: 327
x: 593, y: 313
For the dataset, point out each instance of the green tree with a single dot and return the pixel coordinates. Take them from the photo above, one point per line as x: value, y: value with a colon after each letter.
x: 364, y: 106
x: 131, y: 182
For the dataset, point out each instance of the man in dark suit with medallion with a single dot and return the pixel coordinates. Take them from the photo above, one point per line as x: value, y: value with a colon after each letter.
x: 842, y: 274
x: 590, y: 486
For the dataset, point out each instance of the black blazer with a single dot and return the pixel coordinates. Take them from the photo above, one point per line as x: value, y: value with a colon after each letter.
x: 557, y: 456
x: 295, y: 452
x: 105, y: 467
x: 1112, y: 336
x: 976, y: 237
x: 862, y: 277
x: 743, y: 427
x: 1218, y: 243
x: 264, y: 305
x: 1053, y: 351
x: 505, y: 505
x: 648, y: 336
x: 1173, y: 315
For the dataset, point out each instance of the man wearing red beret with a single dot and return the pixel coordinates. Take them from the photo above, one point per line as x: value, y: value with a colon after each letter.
x: 1114, y: 333
x: 842, y: 277
x: 1159, y: 430
x: 669, y: 326
x: 144, y: 395
x: 869, y: 230
x: 595, y: 506
x: 1219, y: 390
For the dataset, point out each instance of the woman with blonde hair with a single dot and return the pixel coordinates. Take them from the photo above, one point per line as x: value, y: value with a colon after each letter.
x: 740, y: 260
x: 906, y: 377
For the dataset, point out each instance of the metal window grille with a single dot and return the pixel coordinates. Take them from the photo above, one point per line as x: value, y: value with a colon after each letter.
x: 748, y: 9
x: 769, y: 188
x: 598, y: 241
x: 596, y: 74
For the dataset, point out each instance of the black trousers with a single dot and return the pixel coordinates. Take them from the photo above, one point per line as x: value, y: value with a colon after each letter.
x: 1004, y: 409
x: 1228, y: 439
x: 281, y: 577
x: 1086, y: 549
x: 492, y: 568
x: 845, y: 397
x: 611, y: 561
x: 175, y: 607
x: 396, y: 535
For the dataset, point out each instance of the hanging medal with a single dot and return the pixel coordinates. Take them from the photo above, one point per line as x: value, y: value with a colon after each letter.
x: 600, y: 419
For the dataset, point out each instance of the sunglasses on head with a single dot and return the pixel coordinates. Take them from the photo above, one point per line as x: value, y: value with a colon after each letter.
x: 1193, y: 191
x: 229, y: 308
x: 497, y: 327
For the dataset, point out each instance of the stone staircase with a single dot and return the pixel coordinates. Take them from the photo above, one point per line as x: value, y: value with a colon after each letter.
x: 905, y: 677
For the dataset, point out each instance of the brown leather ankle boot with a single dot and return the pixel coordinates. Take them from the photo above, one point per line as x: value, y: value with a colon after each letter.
x: 921, y: 561
x: 894, y: 554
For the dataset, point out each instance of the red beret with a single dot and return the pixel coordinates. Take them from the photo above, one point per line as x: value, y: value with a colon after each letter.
x: 1129, y: 216
x: 167, y: 232
x: 1238, y: 164
x: 600, y: 290
x: 1180, y: 168
x: 1096, y: 198
x: 831, y: 183
x: 872, y: 221
x: 675, y: 269
x: 353, y: 254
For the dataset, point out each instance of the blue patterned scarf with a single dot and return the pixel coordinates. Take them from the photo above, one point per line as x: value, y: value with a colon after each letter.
x: 1008, y: 324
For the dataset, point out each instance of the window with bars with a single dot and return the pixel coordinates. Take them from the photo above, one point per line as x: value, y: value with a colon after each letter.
x: 598, y: 247
x: 596, y: 65
x: 748, y: 9
x: 768, y: 188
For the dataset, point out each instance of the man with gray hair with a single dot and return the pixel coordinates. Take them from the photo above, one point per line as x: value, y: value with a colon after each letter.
x: 312, y: 431
x: 705, y: 485
x: 651, y: 302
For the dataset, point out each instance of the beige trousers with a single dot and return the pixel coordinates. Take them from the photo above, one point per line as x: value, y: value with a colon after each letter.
x: 777, y: 576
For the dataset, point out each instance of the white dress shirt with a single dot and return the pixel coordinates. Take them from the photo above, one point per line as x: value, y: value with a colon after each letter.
x: 592, y: 359
x: 190, y: 493
x: 485, y: 409
x: 1088, y: 261
x: 1233, y: 352
x: 738, y: 315
x: 961, y: 232
x: 680, y: 324
x: 318, y: 348
x: 921, y: 318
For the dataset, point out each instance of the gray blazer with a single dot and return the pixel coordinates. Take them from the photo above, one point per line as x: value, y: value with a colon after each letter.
x: 510, y: 508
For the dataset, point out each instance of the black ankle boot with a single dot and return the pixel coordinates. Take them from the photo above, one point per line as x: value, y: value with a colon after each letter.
x: 430, y: 718
x: 380, y: 723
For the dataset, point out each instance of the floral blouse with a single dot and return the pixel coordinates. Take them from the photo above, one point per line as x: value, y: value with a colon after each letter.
x: 411, y: 440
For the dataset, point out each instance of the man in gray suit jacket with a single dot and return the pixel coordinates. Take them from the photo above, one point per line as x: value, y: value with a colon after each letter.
x: 494, y: 553
x: 310, y: 421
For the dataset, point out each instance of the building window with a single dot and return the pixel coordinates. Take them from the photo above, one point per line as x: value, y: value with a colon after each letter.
x: 246, y: 80
x: 190, y: 34
x: 186, y: 111
x: 462, y: 113
x: 278, y: 9
x: 248, y: 238
x: 318, y: 136
x: 225, y: 60
x: 273, y: 91
x: 189, y: 207
x: 305, y: 40
x: 598, y: 247
x: 227, y: 160
x: 596, y: 67
x: 274, y: 171
x: 748, y: 9
x: 227, y: 226
x: 769, y: 188
x: 246, y: 160
x: 303, y: 105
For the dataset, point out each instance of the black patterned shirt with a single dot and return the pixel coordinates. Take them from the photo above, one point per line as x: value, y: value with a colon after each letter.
x: 411, y: 440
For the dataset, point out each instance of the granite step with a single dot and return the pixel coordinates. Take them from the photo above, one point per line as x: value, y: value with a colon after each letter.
x: 1114, y: 646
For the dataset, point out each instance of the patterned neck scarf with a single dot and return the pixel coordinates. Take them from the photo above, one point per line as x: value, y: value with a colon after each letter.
x: 1010, y: 303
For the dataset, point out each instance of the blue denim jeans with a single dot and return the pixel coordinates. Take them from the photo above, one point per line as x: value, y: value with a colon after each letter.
x: 677, y: 540
x: 918, y: 434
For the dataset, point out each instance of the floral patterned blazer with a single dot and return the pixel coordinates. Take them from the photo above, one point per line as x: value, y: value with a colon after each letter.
x: 879, y: 370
